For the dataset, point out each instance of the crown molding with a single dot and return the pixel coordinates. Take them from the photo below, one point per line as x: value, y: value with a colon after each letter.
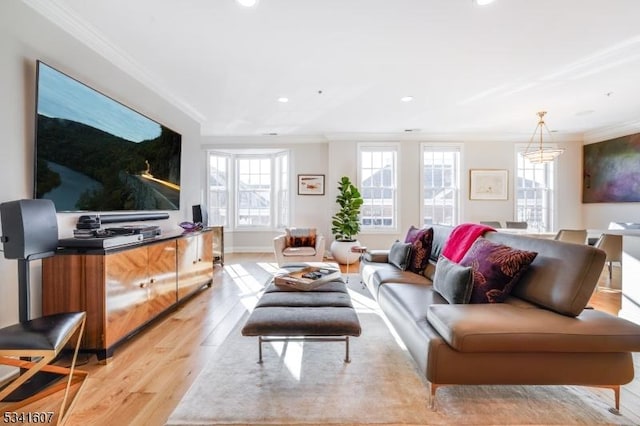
x: 234, y: 140
x: 515, y: 137
x: 256, y: 140
x: 614, y: 131
x: 69, y: 21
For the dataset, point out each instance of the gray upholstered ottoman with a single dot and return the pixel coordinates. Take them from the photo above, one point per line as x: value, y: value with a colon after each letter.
x: 322, y: 314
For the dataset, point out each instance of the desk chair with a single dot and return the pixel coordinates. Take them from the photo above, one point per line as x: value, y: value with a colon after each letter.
x: 575, y: 236
x: 30, y: 232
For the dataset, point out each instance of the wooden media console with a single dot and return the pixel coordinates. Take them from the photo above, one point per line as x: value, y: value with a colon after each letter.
x: 122, y: 289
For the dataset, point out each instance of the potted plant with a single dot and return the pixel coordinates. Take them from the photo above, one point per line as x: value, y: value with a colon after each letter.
x: 345, y: 224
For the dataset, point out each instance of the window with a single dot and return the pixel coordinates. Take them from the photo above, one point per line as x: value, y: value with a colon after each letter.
x: 253, y: 192
x: 440, y: 184
x: 377, y: 166
x: 249, y: 190
x: 534, y: 193
x: 218, y: 184
x: 282, y: 190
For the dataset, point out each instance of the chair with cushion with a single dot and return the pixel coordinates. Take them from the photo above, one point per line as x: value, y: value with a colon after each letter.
x: 299, y: 245
x: 516, y: 225
x: 575, y: 236
x: 31, y: 346
x: 492, y: 223
x: 612, y: 246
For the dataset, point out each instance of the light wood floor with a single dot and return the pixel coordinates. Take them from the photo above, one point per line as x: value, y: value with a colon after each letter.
x: 147, y: 377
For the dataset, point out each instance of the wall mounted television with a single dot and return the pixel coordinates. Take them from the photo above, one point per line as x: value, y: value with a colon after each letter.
x: 96, y: 154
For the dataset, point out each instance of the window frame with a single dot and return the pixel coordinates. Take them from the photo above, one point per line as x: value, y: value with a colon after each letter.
x: 280, y: 183
x: 442, y: 147
x: 228, y: 191
x: 393, y: 147
x: 549, y: 189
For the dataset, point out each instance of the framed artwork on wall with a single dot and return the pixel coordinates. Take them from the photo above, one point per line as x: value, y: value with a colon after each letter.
x: 610, y: 170
x: 488, y: 184
x: 310, y: 184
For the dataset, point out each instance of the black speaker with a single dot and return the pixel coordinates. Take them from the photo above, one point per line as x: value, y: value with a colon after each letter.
x: 199, y: 214
x: 29, y: 229
x: 132, y: 217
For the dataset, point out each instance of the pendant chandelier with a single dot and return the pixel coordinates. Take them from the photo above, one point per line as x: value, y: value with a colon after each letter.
x: 540, y: 154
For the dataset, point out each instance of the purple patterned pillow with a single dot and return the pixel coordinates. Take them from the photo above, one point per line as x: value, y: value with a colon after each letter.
x: 421, y: 241
x: 496, y: 269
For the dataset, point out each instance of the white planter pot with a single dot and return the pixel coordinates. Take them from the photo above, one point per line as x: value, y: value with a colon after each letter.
x: 341, y: 251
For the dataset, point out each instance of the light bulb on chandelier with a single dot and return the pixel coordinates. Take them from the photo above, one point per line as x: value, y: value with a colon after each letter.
x: 541, y: 154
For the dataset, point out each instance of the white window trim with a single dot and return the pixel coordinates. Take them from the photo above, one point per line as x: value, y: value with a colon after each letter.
x: 207, y: 194
x: 232, y: 155
x: 391, y: 147
x: 461, y: 185
x: 522, y: 147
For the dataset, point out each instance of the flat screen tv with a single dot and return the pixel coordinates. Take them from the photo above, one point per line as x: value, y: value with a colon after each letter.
x: 96, y: 154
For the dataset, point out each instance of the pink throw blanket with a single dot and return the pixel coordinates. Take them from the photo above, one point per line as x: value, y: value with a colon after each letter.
x: 461, y: 238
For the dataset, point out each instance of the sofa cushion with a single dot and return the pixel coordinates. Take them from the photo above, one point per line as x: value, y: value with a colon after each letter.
x: 399, y: 255
x: 299, y: 251
x: 507, y: 328
x: 377, y: 274
x: 420, y: 240
x: 454, y: 282
x: 562, y: 277
x: 496, y: 269
x: 440, y: 236
x: 377, y: 256
x: 300, y: 237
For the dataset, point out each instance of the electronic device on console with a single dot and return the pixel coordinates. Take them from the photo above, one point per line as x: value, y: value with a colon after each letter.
x: 147, y: 231
x: 88, y: 222
x: 100, y: 242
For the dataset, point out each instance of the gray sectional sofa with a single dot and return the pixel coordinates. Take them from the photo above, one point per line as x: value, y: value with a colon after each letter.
x: 543, y: 334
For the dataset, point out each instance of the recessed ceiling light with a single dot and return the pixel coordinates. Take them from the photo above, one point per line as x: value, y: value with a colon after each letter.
x: 283, y: 99
x: 406, y: 98
x: 483, y: 2
x: 247, y: 3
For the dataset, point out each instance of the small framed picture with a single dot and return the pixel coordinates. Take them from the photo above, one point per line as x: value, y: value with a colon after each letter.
x: 310, y: 184
x: 488, y: 184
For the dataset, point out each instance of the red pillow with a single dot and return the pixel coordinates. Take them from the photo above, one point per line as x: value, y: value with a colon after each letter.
x: 421, y: 241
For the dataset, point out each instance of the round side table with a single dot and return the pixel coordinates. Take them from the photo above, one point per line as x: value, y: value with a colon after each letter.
x: 356, y: 249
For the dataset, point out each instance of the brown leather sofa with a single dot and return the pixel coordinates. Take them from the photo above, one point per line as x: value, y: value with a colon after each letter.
x: 542, y: 335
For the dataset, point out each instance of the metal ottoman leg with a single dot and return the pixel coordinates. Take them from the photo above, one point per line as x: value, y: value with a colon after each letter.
x: 346, y: 341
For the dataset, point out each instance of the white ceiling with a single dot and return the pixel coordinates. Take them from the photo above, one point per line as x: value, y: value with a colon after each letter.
x: 345, y: 64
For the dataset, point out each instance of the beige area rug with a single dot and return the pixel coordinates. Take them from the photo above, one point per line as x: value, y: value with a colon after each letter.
x: 309, y: 384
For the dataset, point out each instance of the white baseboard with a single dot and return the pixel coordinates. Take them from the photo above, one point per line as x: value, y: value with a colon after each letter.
x: 249, y: 250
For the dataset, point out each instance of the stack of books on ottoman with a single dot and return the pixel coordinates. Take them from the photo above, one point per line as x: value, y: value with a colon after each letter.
x: 307, y: 278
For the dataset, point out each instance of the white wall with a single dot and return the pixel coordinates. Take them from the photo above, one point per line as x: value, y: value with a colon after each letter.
x: 476, y: 154
x: 24, y: 37
x: 307, y: 157
x: 338, y: 157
